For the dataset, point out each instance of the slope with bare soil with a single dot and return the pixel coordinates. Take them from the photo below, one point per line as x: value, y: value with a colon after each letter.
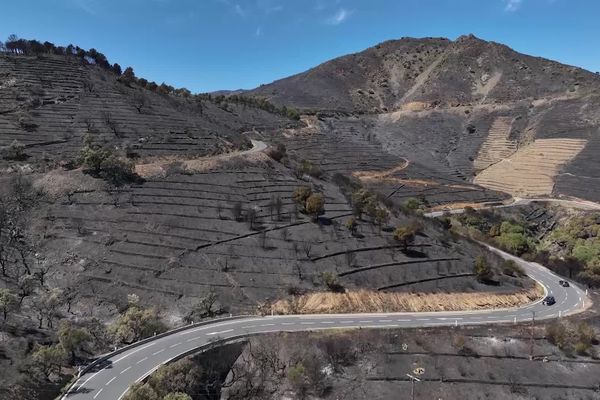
x: 532, y: 170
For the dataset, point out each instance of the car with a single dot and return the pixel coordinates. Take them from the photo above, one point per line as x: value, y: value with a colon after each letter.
x: 563, y: 283
x: 549, y: 300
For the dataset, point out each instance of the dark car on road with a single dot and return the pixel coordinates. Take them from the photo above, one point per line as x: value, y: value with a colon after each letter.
x: 549, y: 300
x: 564, y: 283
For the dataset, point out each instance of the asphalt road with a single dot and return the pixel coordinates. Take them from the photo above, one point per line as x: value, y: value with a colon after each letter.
x: 111, y: 380
x: 517, y: 201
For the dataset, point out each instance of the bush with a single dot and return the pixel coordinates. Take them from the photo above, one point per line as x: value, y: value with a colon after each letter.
x: 310, y: 169
x: 513, y: 242
x: 582, y: 348
x: 511, y: 268
x: 301, y: 194
x: 136, y: 324
x: 103, y: 163
x: 406, y: 234
x: 363, y: 200
x: 14, y: 152
x: 330, y: 280
x: 278, y: 152
x: 482, y: 269
x: 351, y: 225
x: 315, y: 205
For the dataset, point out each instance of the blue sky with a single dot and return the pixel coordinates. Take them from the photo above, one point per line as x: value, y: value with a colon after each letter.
x: 208, y: 45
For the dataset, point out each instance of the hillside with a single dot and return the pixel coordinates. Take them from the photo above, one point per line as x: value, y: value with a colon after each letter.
x: 468, y: 109
x: 49, y: 103
x: 118, y: 194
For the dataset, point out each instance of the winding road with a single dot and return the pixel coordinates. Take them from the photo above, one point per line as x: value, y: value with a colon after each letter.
x: 110, y: 379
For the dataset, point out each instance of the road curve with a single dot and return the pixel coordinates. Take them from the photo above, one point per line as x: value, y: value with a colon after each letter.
x: 517, y: 201
x: 110, y: 380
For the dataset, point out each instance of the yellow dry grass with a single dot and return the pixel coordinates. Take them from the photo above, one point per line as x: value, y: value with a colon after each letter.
x: 531, y: 171
x: 366, y: 301
x: 380, y: 175
x: 415, y: 106
x: 203, y: 164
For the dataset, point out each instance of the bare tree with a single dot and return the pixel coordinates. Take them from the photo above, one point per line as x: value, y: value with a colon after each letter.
x: 307, y: 247
x: 139, y: 101
x: 298, y: 269
x: 263, y: 239
x: 278, y: 204
x: 111, y: 123
x: 284, y: 234
x: 350, y: 258
x: 236, y: 210
x: 251, y: 217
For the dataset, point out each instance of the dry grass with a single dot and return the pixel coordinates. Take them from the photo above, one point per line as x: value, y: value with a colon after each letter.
x: 233, y: 160
x: 531, y: 171
x: 365, y: 301
x: 380, y: 175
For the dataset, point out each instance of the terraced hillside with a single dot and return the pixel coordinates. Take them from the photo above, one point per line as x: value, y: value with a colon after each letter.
x: 532, y: 170
x: 348, y: 146
x: 177, y: 238
x: 49, y: 103
x: 459, y: 107
x: 497, y: 145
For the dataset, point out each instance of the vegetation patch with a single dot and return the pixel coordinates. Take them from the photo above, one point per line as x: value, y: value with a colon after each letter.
x: 357, y: 301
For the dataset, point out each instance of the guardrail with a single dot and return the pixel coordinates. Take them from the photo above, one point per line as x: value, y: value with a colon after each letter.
x: 67, y: 389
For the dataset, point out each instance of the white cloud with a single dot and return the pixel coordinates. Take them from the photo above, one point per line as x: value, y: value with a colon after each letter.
x: 239, y: 10
x: 340, y: 16
x: 512, y: 5
x: 258, y: 32
x: 88, y: 6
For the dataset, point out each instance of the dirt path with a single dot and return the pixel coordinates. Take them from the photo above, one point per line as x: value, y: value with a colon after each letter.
x: 159, y: 168
x: 378, y: 175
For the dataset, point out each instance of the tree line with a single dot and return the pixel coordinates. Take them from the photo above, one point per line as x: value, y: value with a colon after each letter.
x: 19, y: 46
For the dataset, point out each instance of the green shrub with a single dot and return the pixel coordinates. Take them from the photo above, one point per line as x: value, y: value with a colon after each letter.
x: 511, y: 268
x: 513, y: 242
x: 103, y: 163
x: 482, y: 269
x: 315, y: 205
x: 582, y: 348
x: 14, y: 152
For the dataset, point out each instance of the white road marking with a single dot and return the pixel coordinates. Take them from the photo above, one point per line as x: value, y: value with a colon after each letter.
x: 142, y: 360
x: 307, y: 323
x: 158, y: 352
x: 210, y: 326
x: 327, y: 322
x: 126, y: 369
x: 403, y: 320
x: 347, y: 322
x: 174, y: 345
x: 194, y: 338
x: 385, y: 320
x: 99, y: 391
x: 287, y: 323
x: 265, y: 325
x: 423, y: 319
x: 363, y: 322
x: 251, y: 326
x: 88, y: 379
x: 112, y: 379
x: 133, y: 352
x: 218, y: 333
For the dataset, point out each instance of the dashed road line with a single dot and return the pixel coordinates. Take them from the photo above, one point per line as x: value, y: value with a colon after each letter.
x: 174, y: 345
x: 218, y: 333
x: 109, y: 382
x: 142, y: 360
x: 126, y: 369
x: 97, y: 394
x: 158, y: 352
x: 133, y: 352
